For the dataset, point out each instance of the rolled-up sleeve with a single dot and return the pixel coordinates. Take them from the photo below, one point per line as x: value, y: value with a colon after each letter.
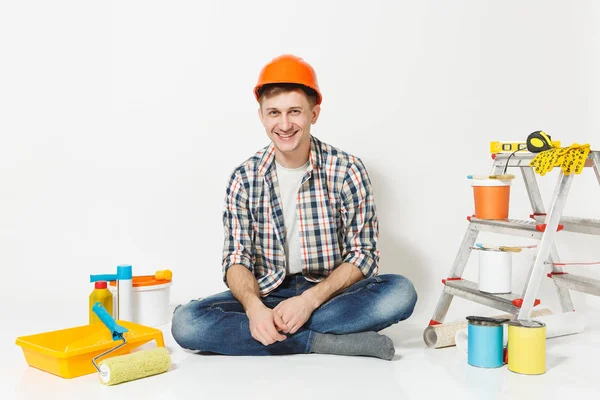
x: 360, y: 220
x: 237, y: 244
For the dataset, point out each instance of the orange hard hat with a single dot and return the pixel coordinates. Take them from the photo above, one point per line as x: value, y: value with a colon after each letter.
x: 288, y: 69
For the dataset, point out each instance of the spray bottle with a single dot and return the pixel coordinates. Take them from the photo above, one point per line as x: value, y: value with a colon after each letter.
x: 124, y: 278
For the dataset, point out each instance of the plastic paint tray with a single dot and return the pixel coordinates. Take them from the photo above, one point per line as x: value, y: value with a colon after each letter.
x: 68, y: 353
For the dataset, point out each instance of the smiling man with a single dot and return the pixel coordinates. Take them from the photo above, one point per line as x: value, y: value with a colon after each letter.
x: 300, y: 256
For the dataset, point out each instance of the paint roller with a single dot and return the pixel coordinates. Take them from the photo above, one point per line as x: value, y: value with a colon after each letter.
x: 128, y: 367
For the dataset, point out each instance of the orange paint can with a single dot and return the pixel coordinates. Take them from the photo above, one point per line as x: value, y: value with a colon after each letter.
x: 491, y: 198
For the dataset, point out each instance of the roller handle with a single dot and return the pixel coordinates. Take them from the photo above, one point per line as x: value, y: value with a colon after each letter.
x: 116, y: 329
x: 103, y: 277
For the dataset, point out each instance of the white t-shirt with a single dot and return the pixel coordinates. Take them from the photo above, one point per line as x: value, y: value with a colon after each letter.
x: 289, y: 183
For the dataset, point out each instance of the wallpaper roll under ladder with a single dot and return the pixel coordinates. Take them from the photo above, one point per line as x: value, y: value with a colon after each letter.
x: 443, y: 335
x: 562, y: 324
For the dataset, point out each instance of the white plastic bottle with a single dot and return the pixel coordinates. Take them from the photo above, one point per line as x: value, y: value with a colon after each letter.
x: 125, y: 293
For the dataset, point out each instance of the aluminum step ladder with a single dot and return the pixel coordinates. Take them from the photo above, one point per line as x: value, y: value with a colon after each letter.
x: 543, y: 227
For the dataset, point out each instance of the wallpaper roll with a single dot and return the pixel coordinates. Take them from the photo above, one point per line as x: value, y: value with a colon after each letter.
x: 556, y: 325
x: 444, y: 335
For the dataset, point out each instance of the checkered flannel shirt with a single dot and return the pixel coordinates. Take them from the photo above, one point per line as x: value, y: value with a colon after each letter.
x: 336, y: 215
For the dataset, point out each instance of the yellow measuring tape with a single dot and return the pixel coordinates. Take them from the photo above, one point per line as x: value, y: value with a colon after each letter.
x: 570, y: 159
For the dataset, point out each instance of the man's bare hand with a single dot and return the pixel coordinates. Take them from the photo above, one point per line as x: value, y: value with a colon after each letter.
x: 294, y: 312
x: 265, y: 325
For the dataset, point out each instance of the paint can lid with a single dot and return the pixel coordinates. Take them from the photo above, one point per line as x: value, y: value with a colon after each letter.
x: 486, y: 321
x: 144, y: 280
x: 525, y: 323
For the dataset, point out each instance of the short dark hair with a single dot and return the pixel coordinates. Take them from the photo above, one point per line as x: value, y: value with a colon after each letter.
x: 272, y: 89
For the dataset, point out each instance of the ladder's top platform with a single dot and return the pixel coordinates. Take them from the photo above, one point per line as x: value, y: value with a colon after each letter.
x: 523, y: 159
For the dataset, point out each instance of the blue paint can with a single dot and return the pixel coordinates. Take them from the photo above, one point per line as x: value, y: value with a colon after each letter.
x: 485, y: 342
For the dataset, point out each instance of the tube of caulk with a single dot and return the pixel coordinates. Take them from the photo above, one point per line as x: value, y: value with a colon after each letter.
x: 125, y: 292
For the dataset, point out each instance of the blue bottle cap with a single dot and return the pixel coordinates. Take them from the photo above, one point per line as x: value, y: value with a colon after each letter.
x: 124, y: 272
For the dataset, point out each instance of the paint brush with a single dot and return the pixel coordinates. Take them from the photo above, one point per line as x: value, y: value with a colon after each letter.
x: 499, y: 177
x: 514, y: 249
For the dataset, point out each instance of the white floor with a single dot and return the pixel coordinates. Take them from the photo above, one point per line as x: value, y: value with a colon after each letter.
x: 417, y: 372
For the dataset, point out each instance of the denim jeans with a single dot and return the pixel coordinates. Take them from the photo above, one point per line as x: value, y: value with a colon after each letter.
x: 218, y: 324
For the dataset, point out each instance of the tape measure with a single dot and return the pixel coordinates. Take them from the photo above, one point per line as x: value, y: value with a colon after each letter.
x: 539, y: 141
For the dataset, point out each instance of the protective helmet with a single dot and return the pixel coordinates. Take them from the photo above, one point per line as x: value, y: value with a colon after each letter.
x: 288, y: 69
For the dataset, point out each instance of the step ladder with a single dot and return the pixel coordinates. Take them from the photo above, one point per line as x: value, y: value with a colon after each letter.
x: 543, y: 226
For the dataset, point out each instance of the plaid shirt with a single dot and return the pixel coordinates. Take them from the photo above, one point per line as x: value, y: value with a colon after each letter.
x: 337, y: 221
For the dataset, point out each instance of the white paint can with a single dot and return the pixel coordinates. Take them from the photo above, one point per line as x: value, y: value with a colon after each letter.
x: 495, y: 271
x: 150, y: 300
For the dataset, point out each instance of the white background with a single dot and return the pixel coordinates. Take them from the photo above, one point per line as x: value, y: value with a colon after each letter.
x: 121, y: 121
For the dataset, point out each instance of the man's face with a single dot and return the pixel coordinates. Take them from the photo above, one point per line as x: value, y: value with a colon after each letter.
x: 287, y: 118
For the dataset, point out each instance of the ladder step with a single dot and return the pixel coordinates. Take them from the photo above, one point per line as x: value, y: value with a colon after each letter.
x: 577, y: 282
x: 515, y: 227
x: 572, y: 224
x: 510, y: 302
x: 525, y: 158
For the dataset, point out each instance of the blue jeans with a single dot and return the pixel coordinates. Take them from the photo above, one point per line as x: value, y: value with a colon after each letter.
x: 218, y: 324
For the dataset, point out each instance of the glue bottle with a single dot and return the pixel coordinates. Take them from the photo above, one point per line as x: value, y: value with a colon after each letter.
x: 100, y: 294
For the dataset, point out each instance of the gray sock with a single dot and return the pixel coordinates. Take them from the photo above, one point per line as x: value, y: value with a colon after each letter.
x: 355, y: 344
